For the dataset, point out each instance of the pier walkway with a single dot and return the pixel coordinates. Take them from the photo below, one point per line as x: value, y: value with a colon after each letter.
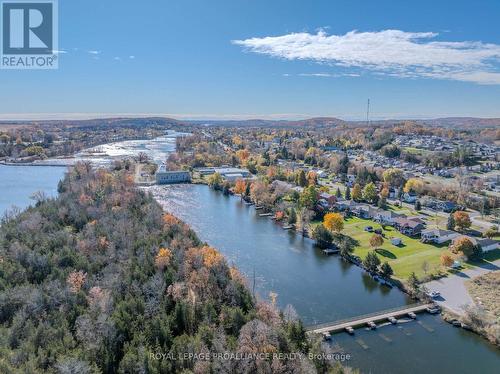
x: 364, y: 319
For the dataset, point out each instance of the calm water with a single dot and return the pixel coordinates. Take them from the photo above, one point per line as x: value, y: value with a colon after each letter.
x: 320, y: 288
x: 325, y: 288
x: 17, y: 184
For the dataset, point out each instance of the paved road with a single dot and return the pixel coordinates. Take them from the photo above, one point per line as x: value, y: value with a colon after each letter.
x: 454, y: 294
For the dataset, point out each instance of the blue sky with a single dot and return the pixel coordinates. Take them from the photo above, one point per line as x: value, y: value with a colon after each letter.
x: 274, y: 59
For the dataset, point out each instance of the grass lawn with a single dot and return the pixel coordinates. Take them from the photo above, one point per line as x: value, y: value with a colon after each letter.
x: 404, y: 259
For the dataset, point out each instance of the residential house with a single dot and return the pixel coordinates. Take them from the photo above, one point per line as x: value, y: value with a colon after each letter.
x: 385, y: 217
x: 360, y: 210
x: 447, y: 206
x: 346, y: 205
x: 438, y: 236
x: 329, y: 200
x: 410, y: 197
x: 484, y: 243
x: 411, y: 226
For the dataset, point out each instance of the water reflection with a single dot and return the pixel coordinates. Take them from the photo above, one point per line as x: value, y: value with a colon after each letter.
x: 324, y: 288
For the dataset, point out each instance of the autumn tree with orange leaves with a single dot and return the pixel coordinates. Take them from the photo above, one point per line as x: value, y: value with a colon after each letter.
x: 333, y: 222
x: 163, y: 258
x: 240, y: 187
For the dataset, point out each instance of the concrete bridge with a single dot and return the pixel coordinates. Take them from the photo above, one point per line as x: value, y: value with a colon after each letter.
x: 365, y: 319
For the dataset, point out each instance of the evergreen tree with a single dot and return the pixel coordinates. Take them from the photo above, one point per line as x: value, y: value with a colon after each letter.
x: 344, y: 164
x: 450, y: 225
x: 338, y: 193
x: 413, y: 282
x: 386, y: 270
x: 348, y: 193
x: 301, y: 179
x: 247, y: 190
x: 382, y: 203
x: 418, y: 205
x: 322, y: 235
x: 371, y: 262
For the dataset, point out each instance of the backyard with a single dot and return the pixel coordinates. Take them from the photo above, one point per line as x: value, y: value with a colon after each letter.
x: 410, y: 256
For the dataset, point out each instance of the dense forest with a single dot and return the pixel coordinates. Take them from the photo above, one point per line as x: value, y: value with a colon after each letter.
x: 101, y: 280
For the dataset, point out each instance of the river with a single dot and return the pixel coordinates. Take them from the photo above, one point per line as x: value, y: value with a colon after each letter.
x: 18, y: 183
x: 320, y: 288
x: 324, y: 288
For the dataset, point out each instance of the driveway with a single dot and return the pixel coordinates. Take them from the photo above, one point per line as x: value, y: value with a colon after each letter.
x: 453, y: 292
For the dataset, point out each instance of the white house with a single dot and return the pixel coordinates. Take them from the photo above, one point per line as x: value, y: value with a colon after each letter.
x: 484, y: 243
x: 385, y: 216
x: 488, y: 244
x: 438, y: 236
x: 410, y: 197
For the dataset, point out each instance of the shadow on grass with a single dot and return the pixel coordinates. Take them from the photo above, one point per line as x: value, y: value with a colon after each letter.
x: 458, y: 272
x: 486, y: 262
x: 385, y: 253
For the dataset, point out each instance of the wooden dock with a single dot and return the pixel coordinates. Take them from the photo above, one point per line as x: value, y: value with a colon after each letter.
x: 365, y: 319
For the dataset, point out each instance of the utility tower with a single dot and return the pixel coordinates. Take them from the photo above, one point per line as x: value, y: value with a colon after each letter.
x: 368, y: 112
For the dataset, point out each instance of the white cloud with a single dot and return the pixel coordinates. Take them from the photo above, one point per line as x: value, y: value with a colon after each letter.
x: 131, y: 57
x: 93, y: 52
x: 328, y: 75
x: 389, y: 52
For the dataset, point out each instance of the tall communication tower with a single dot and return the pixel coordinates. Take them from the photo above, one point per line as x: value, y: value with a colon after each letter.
x: 368, y: 112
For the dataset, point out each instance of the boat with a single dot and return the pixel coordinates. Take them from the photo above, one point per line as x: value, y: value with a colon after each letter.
x: 412, y: 315
x: 433, y: 309
x: 466, y: 327
x: 330, y: 251
x: 257, y: 207
x: 376, y: 278
x: 265, y: 214
x: 433, y: 294
x: 287, y: 227
x: 371, y: 325
x: 392, y: 320
x: 456, y: 323
x: 327, y: 336
x: 349, y: 330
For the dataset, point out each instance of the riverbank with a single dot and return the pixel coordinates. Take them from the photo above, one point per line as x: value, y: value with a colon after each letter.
x: 324, y: 288
x: 34, y: 164
x: 121, y: 267
x: 416, y: 294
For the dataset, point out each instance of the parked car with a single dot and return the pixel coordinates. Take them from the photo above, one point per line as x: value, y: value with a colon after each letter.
x: 378, y: 231
x: 369, y: 228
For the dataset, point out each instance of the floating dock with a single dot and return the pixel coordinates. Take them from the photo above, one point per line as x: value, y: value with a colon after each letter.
x: 349, y: 324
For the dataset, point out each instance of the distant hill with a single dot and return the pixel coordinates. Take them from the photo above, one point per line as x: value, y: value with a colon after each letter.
x: 452, y: 122
x: 96, y: 122
x: 311, y: 122
x: 463, y: 122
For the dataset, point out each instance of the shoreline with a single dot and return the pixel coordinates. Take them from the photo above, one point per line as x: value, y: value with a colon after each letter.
x: 444, y: 313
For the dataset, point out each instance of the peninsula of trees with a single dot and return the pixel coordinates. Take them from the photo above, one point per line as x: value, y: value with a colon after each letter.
x: 101, y: 280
